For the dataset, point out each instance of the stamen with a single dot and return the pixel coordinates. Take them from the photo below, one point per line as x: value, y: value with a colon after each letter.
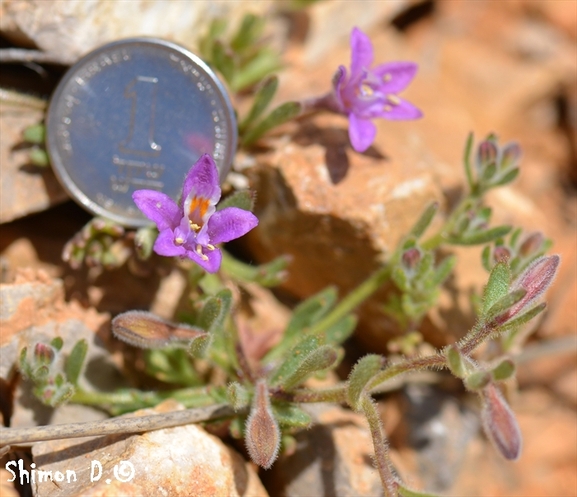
x: 365, y: 90
x: 393, y: 99
x: 210, y: 246
x: 194, y: 226
x: 179, y: 240
x: 199, y: 252
x: 387, y: 77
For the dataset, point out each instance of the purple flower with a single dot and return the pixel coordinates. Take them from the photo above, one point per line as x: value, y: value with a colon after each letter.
x: 193, y: 227
x: 370, y: 93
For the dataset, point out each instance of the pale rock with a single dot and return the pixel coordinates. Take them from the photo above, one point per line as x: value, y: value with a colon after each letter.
x: 333, y: 457
x: 180, y: 461
x: 71, y: 29
x: 24, y: 189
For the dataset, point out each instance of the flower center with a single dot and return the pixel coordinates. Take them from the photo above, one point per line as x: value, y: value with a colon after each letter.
x: 365, y: 90
x: 197, y: 212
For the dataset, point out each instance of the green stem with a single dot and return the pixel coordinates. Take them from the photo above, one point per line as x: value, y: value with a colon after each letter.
x: 236, y: 268
x: 388, y: 479
x: 352, y: 300
x: 416, y: 364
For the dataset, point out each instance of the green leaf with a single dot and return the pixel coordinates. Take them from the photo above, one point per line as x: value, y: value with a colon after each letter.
x: 399, y: 277
x: 248, y: 33
x: 361, y: 374
x: 215, y: 311
x: 486, y: 258
x: 310, y: 311
x: 243, y: 199
x: 223, y: 61
x: 291, y: 416
x: 57, y: 343
x: 278, y: 116
x: 262, y: 99
x: 263, y: 64
x: 477, y: 380
x: 504, y: 370
x: 425, y: 220
x: 340, y: 331
x: 509, y: 177
x: 504, y: 304
x: 39, y: 157
x: 406, y: 492
x: 523, y: 318
x: 317, y: 360
x: 270, y: 274
x: 238, y: 396
x: 497, y: 286
x: 75, y: 361
x: 35, y: 133
x: 295, y: 358
x: 456, y: 361
x: 443, y: 270
x: 481, y: 237
x: 467, y: 162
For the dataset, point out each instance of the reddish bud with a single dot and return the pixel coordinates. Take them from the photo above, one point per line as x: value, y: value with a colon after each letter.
x: 411, y: 257
x: 534, y: 280
x: 262, y: 434
x: 510, y: 156
x: 500, y: 424
x: 43, y: 354
x: 486, y: 154
x: 501, y: 254
x: 531, y: 244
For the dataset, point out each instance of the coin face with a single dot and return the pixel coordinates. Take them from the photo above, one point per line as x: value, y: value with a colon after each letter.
x: 136, y: 114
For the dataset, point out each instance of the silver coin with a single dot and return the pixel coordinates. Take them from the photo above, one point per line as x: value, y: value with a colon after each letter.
x: 136, y: 114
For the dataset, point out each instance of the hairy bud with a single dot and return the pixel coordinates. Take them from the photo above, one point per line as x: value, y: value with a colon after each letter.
x: 262, y: 434
x: 500, y: 424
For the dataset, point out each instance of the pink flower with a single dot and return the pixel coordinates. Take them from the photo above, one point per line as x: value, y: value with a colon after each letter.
x: 194, y: 227
x: 368, y: 93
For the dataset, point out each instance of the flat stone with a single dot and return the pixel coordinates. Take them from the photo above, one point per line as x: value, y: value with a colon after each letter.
x: 180, y: 461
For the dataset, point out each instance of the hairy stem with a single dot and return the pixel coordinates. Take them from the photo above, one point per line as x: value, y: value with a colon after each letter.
x: 388, y: 479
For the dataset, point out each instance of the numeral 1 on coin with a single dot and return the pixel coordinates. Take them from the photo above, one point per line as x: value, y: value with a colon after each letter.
x: 140, y: 139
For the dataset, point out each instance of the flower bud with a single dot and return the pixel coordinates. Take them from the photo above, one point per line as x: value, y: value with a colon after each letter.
x: 262, y: 434
x: 43, y: 354
x: 531, y: 244
x: 486, y: 155
x: 501, y: 254
x: 411, y: 257
x: 500, y: 424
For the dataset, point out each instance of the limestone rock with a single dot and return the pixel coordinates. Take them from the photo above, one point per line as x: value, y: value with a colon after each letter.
x: 24, y: 189
x: 333, y: 458
x: 180, y: 461
x: 71, y: 29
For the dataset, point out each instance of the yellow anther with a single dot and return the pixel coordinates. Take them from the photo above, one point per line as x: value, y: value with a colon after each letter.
x: 194, y: 226
x: 209, y: 246
x: 387, y: 77
x: 199, y: 252
x: 393, y: 99
x: 179, y: 240
x: 365, y: 90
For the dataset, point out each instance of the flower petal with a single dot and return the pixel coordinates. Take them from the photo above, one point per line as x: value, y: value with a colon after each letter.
x: 402, y: 111
x: 158, y: 207
x: 211, y: 260
x: 202, y: 180
x: 361, y: 52
x: 230, y: 223
x: 165, y: 245
x: 394, y: 76
x: 339, y: 85
x: 362, y: 133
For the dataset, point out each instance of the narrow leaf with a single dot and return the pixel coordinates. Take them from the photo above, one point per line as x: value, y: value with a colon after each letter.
x: 243, y: 199
x: 75, y: 361
x: 294, y: 359
x: 262, y: 99
x: 425, y: 220
x: 361, y: 374
x: 504, y: 304
x: 481, y: 237
x: 497, y: 286
x: 278, y: 116
x: 318, y: 360
x: 291, y: 416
